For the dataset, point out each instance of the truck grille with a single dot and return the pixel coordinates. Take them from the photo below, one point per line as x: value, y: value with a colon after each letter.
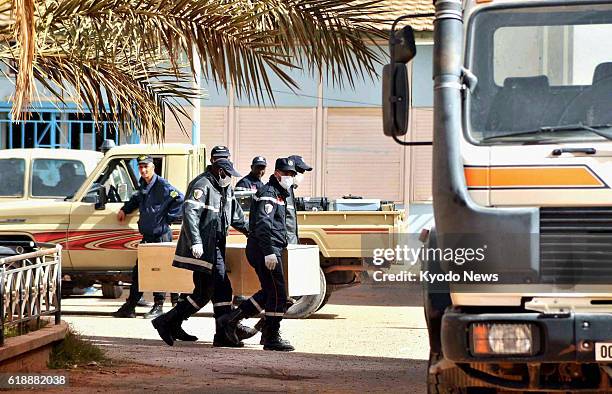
x: 576, y: 245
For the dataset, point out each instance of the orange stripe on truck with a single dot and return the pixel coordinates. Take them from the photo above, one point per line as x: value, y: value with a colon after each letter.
x: 530, y: 177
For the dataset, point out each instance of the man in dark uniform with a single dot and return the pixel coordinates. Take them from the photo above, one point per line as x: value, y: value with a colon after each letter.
x: 253, y: 180
x: 159, y: 204
x: 292, y: 226
x: 267, y: 239
x: 209, y: 210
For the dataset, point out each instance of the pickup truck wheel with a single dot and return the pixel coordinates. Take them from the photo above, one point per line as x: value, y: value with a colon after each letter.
x: 436, y: 384
x: 328, y: 293
x: 307, y: 305
x: 111, y: 290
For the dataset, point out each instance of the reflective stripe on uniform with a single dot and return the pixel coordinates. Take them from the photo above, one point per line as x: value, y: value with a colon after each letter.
x: 222, y: 304
x: 272, y: 199
x: 275, y: 314
x: 202, y: 205
x: 189, y: 260
x: 259, y: 308
x: 192, y: 302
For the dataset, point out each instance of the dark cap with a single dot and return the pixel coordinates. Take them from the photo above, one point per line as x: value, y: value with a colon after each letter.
x: 227, y: 166
x: 285, y: 164
x: 259, y: 161
x: 300, y: 164
x: 144, y: 159
x: 220, y: 151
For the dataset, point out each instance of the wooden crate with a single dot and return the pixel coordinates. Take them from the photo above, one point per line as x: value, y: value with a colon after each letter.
x: 156, y: 273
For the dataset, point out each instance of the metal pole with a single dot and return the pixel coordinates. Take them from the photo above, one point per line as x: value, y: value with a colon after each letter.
x: 195, y: 121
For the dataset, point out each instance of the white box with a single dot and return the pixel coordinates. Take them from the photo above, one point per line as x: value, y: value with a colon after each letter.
x: 156, y: 273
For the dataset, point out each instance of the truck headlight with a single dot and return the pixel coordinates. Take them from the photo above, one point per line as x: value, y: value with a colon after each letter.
x: 503, y: 339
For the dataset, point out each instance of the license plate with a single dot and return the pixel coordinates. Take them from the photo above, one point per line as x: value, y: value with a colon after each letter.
x: 603, y: 351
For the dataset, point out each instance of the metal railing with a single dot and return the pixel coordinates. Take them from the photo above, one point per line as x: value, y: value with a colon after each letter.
x: 30, y: 287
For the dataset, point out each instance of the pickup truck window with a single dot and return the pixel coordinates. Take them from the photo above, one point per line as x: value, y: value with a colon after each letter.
x: 12, y: 173
x: 119, y: 180
x: 56, y: 178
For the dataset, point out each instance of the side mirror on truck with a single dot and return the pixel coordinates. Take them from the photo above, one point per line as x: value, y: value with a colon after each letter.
x: 396, y: 85
x: 97, y: 196
x: 102, y: 199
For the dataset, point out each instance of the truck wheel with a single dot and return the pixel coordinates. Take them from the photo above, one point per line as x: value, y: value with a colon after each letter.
x: 111, y: 290
x: 307, y: 305
x: 436, y: 384
x: 328, y: 293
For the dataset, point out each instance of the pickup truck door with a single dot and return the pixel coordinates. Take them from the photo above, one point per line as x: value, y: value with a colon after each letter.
x: 96, y: 239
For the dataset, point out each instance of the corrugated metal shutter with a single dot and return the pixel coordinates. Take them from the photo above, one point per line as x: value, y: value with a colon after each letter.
x: 273, y: 133
x: 421, y: 156
x: 358, y: 158
x: 213, y: 126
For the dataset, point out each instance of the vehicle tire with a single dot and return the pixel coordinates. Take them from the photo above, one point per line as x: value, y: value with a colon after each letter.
x: 328, y: 293
x: 435, y: 383
x: 307, y: 305
x: 111, y: 290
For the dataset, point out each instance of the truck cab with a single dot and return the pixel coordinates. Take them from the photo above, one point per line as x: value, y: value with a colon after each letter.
x: 522, y: 168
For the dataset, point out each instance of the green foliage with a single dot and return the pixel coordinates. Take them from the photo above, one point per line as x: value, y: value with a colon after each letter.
x: 74, y: 350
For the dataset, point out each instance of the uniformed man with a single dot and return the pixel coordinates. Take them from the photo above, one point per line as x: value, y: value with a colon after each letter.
x: 253, y: 180
x: 159, y: 204
x: 209, y: 210
x: 292, y: 226
x: 267, y: 239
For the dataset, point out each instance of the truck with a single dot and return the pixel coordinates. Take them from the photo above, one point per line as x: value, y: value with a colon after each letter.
x: 40, y: 173
x: 522, y: 167
x: 98, y: 248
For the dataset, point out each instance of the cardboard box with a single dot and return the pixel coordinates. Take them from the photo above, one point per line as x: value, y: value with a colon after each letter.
x: 156, y: 273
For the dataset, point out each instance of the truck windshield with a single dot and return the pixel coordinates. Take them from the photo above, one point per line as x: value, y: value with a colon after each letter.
x: 12, y: 173
x: 541, y: 68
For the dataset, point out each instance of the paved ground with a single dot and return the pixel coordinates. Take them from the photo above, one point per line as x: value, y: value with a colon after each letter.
x: 367, y: 339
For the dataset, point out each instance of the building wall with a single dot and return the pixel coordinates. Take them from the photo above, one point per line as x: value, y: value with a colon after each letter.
x: 337, y: 129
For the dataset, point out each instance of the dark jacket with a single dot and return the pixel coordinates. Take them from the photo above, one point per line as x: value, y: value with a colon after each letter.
x: 159, y: 204
x: 292, y: 225
x: 267, y: 218
x: 208, y: 212
x: 249, y: 182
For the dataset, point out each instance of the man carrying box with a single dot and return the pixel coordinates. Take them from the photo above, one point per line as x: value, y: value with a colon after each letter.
x: 266, y: 241
x: 209, y: 210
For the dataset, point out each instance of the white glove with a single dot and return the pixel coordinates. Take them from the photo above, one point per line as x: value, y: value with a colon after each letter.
x: 271, y: 261
x: 197, y: 250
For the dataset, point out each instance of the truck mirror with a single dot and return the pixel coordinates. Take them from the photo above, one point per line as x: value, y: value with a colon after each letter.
x: 402, y: 45
x: 101, y: 199
x: 395, y: 98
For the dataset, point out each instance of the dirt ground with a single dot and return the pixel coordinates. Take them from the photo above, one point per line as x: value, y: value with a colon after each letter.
x: 368, y: 339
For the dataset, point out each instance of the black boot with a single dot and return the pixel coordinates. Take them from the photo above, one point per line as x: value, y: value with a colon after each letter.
x: 127, y: 310
x: 179, y: 334
x: 157, y: 310
x: 143, y: 302
x: 272, y: 340
x: 245, y: 332
x: 167, y: 323
x: 228, y: 323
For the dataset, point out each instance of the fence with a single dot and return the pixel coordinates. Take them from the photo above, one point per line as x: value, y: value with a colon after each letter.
x: 30, y: 287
